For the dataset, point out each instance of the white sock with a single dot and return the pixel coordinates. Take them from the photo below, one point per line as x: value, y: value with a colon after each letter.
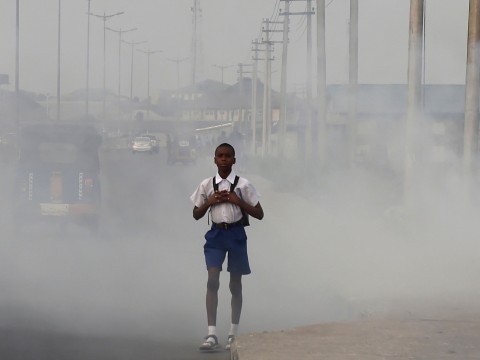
x: 233, y: 329
x: 212, y: 330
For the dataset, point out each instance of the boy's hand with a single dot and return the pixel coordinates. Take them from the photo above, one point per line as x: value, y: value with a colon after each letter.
x: 223, y: 196
x: 233, y: 198
x: 218, y: 197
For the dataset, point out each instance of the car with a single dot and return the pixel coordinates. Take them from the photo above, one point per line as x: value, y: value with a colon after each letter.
x: 58, y: 175
x: 142, y: 144
x: 154, y: 141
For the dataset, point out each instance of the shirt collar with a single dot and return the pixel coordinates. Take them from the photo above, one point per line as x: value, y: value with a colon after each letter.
x: 230, y: 178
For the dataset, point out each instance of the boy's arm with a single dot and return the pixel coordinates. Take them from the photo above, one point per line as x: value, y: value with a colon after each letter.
x: 199, y: 212
x: 255, y: 211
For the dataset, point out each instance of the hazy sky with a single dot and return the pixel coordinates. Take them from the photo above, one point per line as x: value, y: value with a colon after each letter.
x: 227, y: 28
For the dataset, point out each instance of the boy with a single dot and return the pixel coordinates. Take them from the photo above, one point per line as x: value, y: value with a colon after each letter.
x: 227, y: 235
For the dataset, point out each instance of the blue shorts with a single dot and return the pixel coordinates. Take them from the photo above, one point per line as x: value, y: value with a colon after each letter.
x: 233, y: 241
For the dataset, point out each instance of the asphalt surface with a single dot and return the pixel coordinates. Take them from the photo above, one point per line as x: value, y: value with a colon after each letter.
x: 136, y: 291
x: 28, y: 344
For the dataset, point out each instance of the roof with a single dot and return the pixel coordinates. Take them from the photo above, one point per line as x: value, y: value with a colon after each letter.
x: 393, y: 98
x: 205, y: 86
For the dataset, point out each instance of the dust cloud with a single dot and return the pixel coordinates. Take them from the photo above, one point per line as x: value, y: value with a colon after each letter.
x: 343, y: 244
x: 333, y: 246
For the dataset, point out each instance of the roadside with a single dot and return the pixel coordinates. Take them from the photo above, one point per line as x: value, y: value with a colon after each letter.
x: 455, y: 335
x: 367, y: 339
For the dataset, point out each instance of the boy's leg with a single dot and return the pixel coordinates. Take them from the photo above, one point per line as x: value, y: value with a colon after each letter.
x: 237, y: 298
x: 213, y: 285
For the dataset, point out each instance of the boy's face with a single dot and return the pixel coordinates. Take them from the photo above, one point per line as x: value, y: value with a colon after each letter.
x: 224, y: 158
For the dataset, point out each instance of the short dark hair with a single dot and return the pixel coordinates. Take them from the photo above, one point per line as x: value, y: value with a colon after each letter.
x: 225, y: 145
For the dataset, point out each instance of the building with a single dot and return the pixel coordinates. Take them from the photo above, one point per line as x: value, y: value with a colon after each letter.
x: 381, y: 110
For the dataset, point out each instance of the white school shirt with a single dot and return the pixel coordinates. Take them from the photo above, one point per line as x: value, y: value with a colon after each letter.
x: 225, y: 212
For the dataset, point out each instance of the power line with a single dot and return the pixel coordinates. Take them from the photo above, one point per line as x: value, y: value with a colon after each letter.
x: 329, y: 3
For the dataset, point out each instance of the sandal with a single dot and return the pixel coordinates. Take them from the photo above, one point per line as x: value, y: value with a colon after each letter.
x: 231, y: 339
x: 210, y: 343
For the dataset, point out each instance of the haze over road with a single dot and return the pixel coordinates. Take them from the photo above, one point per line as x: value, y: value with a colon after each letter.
x: 321, y: 254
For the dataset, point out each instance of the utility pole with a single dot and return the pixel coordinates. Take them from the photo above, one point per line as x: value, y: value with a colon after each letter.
x: 283, y: 81
x: 243, y: 107
x: 17, y: 67
x: 120, y: 33
x: 319, y: 133
x: 241, y: 72
x: 58, y: 58
x: 222, y: 68
x: 305, y: 141
x: 308, y: 82
x: 196, y: 46
x: 414, y: 79
x: 353, y: 82
x: 267, y: 102
x: 132, y: 45
x: 253, y: 124
x: 105, y: 17
x: 178, y: 61
x: 267, y: 92
x: 87, y: 87
x: 148, y: 53
x: 470, y: 147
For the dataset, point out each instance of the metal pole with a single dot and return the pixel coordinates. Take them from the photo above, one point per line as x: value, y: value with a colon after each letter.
x: 178, y: 61
x: 148, y: 53
x: 17, y: 67
x: 319, y: 144
x: 105, y: 17
x: 58, y: 60
x: 414, y: 79
x: 265, y: 89
x: 194, y: 41
x: 222, y: 68
x: 120, y: 32
x: 353, y: 82
x: 254, y: 99
x: 131, y: 72
x: 470, y: 147
x: 132, y: 44
x: 104, y: 107
x: 309, y: 113
x: 87, y: 90
x: 148, y: 86
x: 283, y: 85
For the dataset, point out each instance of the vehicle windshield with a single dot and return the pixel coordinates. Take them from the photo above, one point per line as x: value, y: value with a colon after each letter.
x: 59, y: 145
x: 57, y: 152
x: 142, y: 140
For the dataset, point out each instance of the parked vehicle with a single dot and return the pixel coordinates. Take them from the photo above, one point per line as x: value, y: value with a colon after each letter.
x: 142, y: 144
x: 57, y: 175
x: 154, y: 142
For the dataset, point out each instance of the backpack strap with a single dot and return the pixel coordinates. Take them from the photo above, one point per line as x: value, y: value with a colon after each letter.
x: 215, y: 185
x: 235, y: 182
x: 244, y: 220
x: 215, y: 188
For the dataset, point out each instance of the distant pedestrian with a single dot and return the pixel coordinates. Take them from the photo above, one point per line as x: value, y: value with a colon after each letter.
x: 222, y: 137
x: 230, y: 199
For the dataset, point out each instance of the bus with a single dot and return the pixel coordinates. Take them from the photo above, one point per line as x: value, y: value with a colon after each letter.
x: 57, y: 176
